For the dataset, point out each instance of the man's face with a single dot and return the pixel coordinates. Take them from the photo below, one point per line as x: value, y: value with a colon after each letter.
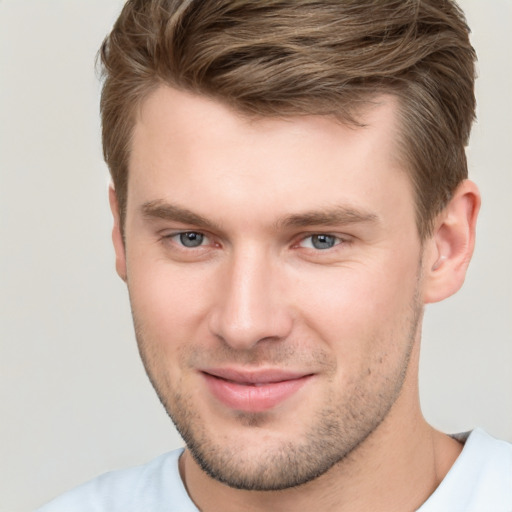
x: 274, y: 271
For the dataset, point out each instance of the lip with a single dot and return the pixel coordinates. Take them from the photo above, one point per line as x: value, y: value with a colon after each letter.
x: 253, y: 391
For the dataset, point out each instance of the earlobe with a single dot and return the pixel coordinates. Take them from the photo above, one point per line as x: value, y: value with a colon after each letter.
x: 448, y: 252
x: 117, y: 235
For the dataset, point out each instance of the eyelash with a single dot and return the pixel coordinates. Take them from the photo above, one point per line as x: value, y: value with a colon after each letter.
x: 338, y: 240
x: 174, y: 237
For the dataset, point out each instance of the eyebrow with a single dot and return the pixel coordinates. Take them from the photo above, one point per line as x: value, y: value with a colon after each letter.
x: 339, y: 215
x: 163, y: 210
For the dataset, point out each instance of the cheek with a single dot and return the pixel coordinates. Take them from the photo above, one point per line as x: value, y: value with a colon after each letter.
x: 358, y: 308
x: 168, y: 302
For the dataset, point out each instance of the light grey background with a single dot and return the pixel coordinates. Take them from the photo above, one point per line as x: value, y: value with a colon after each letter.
x: 74, y: 399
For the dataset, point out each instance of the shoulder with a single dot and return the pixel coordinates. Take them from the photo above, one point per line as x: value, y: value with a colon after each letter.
x: 480, y: 479
x: 154, y: 486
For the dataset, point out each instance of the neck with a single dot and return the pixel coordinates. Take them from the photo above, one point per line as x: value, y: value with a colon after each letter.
x: 393, y: 470
x: 396, y: 468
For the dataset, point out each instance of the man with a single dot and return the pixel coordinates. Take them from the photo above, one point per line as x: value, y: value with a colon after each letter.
x: 289, y: 190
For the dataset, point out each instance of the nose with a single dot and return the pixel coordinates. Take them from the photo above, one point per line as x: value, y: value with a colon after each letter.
x: 251, y: 307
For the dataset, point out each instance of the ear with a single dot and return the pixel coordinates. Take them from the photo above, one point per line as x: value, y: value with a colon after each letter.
x: 448, y: 252
x: 117, y: 236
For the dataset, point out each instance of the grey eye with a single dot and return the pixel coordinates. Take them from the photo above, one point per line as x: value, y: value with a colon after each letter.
x: 191, y: 239
x: 323, y: 241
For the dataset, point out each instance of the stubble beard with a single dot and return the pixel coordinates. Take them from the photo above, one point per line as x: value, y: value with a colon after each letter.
x: 335, y: 432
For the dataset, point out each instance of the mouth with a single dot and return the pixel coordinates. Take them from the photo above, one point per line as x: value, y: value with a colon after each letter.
x: 253, y: 391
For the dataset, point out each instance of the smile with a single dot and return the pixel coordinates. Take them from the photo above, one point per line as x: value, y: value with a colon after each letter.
x: 253, y: 391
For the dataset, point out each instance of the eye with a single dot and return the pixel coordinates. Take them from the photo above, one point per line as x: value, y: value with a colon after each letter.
x: 190, y: 239
x: 320, y: 241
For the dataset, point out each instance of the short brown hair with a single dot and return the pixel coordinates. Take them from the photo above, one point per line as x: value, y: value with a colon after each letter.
x: 295, y: 57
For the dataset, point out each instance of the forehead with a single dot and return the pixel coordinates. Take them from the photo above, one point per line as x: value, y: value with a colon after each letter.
x: 185, y: 114
x: 188, y: 149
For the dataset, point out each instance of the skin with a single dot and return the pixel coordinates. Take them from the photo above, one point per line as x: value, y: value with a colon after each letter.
x: 258, y: 294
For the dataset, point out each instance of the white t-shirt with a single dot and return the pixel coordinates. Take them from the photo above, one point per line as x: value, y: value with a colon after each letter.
x: 479, y: 481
